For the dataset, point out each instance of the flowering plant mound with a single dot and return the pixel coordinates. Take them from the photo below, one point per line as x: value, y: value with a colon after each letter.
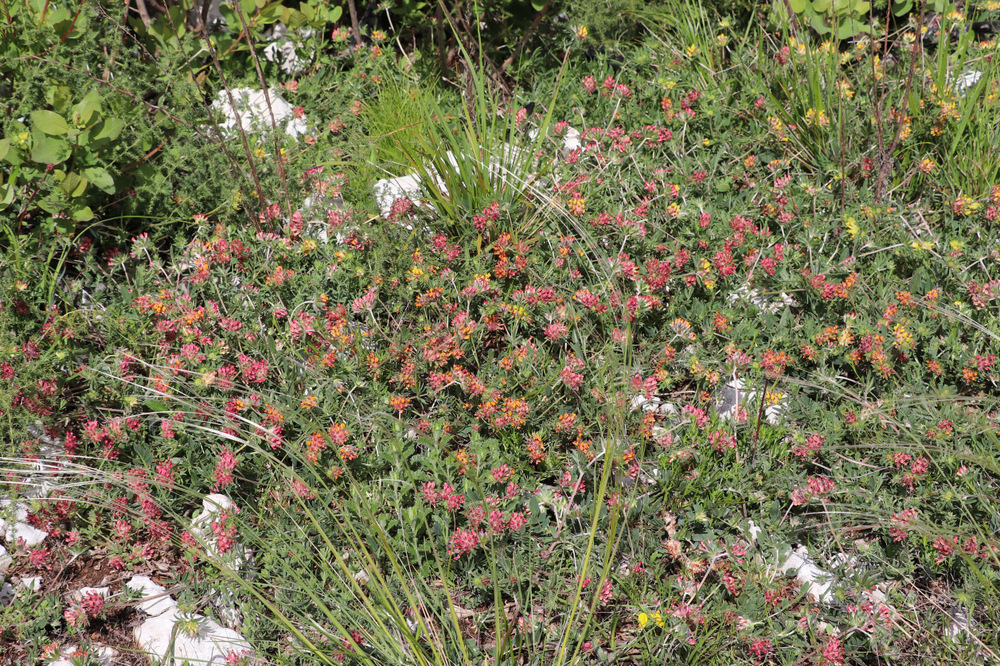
x: 502, y: 421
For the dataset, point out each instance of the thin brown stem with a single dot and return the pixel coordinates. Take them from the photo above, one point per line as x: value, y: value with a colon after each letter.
x: 280, y: 163
x: 239, y: 125
x: 355, y: 27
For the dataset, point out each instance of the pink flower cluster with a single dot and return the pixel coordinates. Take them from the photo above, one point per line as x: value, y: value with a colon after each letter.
x: 462, y: 542
x: 447, y: 494
x: 811, y: 446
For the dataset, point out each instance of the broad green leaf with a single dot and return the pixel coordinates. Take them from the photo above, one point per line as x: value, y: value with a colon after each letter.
x: 157, y: 406
x: 334, y: 15
x: 57, y: 16
x: 798, y: 6
x: 6, y: 195
x: 7, y: 192
x: 58, y: 97
x: 538, y: 5
x: 851, y: 27
x: 4, y: 148
x: 85, y: 109
x: 819, y: 24
x: 820, y: 6
x: 101, y: 179
x: 84, y: 214
x: 111, y: 129
x: 296, y: 19
x: 861, y: 8
x: 271, y: 13
x: 901, y: 7
x: 50, y: 150
x: 49, y: 122
x: 73, y: 184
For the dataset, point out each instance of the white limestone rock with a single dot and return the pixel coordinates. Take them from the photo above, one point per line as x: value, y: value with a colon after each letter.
x: 388, y: 190
x: 32, y: 536
x: 283, y: 48
x: 29, y: 583
x: 966, y: 81
x: 759, y: 301
x: 203, y: 642
x: 155, y: 600
x: 735, y: 394
x: 252, y: 115
x: 821, y: 584
x: 14, y: 525
x: 239, y: 559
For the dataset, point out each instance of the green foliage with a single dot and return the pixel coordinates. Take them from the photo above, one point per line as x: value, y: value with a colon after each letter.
x: 57, y: 158
x: 841, y: 19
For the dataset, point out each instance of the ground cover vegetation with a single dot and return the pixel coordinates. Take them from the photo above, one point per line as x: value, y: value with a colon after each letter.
x: 488, y: 427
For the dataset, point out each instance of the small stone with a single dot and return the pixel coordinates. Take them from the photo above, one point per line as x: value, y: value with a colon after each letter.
x: 30, y: 583
x: 32, y: 535
x: 6, y: 594
x: 155, y: 600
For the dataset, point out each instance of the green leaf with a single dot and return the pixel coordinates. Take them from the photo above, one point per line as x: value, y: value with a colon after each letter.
x: 4, y: 148
x: 101, y: 179
x: 538, y: 5
x: 798, y: 6
x: 157, y: 406
x: 85, y: 109
x: 901, y: 7
x: 111, y: 129
x: 820, y: 6
x: 84, y: 214
x: 58, y: 97
x: 296, y: 19
x: 7, y: 191
x: 271, y: 13
x: 74, y: 184
x: 819, y: 25
x: 334, y: 15
x: 851, y: 27
x: 49, y: 122
x: 50, y: 150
